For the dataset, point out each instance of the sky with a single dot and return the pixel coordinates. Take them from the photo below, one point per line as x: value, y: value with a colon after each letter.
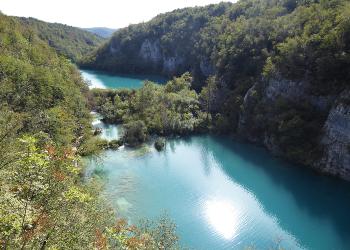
x: 96, y: 13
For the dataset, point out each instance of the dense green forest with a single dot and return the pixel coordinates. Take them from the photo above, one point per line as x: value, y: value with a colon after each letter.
x: 45, y: 126
x: 277, y: 66
x: 74, y: 43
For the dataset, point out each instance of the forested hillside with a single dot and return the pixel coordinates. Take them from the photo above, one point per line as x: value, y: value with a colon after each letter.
x: 69, y: 41
x: 281, y: 71
x: 235, y: 41
x: 45, y: 126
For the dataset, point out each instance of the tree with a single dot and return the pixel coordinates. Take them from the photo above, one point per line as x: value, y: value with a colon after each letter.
x: 135, y: 133
x: 207, y: 95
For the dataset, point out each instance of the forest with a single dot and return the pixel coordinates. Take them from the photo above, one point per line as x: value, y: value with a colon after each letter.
x: 238, y: 42
x: 71, y: 42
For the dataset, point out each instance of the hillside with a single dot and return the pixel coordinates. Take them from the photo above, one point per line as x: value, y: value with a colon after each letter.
x: 39, y: 83
x: 101, y: 31
x: 45, y: 127
x: 43, y: 113
x: 69, y: 41
x: 281, y: 71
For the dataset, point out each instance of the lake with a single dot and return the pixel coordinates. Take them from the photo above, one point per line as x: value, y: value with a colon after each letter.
x: 99, y: 79
x: 225, y: 195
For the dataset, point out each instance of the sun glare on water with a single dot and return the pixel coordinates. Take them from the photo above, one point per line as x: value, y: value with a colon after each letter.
x: 222, y: 217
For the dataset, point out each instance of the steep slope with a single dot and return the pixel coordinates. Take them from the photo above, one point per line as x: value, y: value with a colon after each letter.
x: 281, y: 69
x: 39, y: 84
x: 163, y: 45
x: 69, y: 41
x: 43, y: 114
x: 101, y: 31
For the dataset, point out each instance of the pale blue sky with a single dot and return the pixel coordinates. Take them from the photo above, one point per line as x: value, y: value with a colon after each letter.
x: 95, y: 13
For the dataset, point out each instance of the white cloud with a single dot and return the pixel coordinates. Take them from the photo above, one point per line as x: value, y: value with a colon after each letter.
x: 93, y: 13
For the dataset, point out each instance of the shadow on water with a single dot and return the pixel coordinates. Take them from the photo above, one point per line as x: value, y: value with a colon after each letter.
x: 323, y: 197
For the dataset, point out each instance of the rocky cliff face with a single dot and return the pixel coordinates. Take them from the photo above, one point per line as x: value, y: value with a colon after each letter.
x: 257, y: 115
x: 171, y: 64
x: 336, y: 140
x: 151, y: 53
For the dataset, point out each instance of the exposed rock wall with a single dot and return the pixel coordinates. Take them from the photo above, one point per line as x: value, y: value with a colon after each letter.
x: 150, y: 51
x: 336, y: 140
x: 152, y: 54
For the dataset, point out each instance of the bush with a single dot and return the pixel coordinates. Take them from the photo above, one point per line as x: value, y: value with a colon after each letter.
x: 135, y: 133
x: 159, y: 144
x: 115, y: 144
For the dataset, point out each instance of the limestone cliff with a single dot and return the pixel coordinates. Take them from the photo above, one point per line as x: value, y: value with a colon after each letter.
x: 171, y: 64
x: 150, y: 51
x: 336, y: 139
x: 330, y: 152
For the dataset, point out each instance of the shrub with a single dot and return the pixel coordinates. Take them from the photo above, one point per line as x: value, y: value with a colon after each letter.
x: 159, y: 144
x: 135, y: 133
x: 115, y: 144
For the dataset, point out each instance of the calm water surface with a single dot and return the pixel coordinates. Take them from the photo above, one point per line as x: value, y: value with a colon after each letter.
x: 98, y: 79
x: 226, y: 195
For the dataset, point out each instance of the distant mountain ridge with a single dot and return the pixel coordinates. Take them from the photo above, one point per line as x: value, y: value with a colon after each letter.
x: 101, y: 31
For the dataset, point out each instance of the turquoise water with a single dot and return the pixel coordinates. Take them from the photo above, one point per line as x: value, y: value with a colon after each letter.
x: 223, y: 194
x: 226, y: 195
x: 98, y: 79
x: 109, y: 131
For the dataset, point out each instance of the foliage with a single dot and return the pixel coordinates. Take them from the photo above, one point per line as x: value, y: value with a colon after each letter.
x: 159, y: 144
x: 207, y: 96
x: 115, y: 144
x: 135, y: 133
x: 44, y: 126
x: 46, y: 90
x: 11, y: 123
x: 74, y: 43
x: 296, y: 130
x: 156, y: 109
x: 159, y: 234
x: 240, y: 41
x: 42, y: 205
x: 92, y: 146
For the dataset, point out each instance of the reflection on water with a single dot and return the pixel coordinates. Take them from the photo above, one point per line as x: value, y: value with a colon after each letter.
x: 99, y: 79
x: 222, y: 216
x: 226, y: 195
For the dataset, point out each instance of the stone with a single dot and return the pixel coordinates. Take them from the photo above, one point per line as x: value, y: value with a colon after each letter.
x: 336, y: 141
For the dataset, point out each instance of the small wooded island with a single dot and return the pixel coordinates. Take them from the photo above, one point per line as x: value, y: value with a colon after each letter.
x: 166, y: 165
